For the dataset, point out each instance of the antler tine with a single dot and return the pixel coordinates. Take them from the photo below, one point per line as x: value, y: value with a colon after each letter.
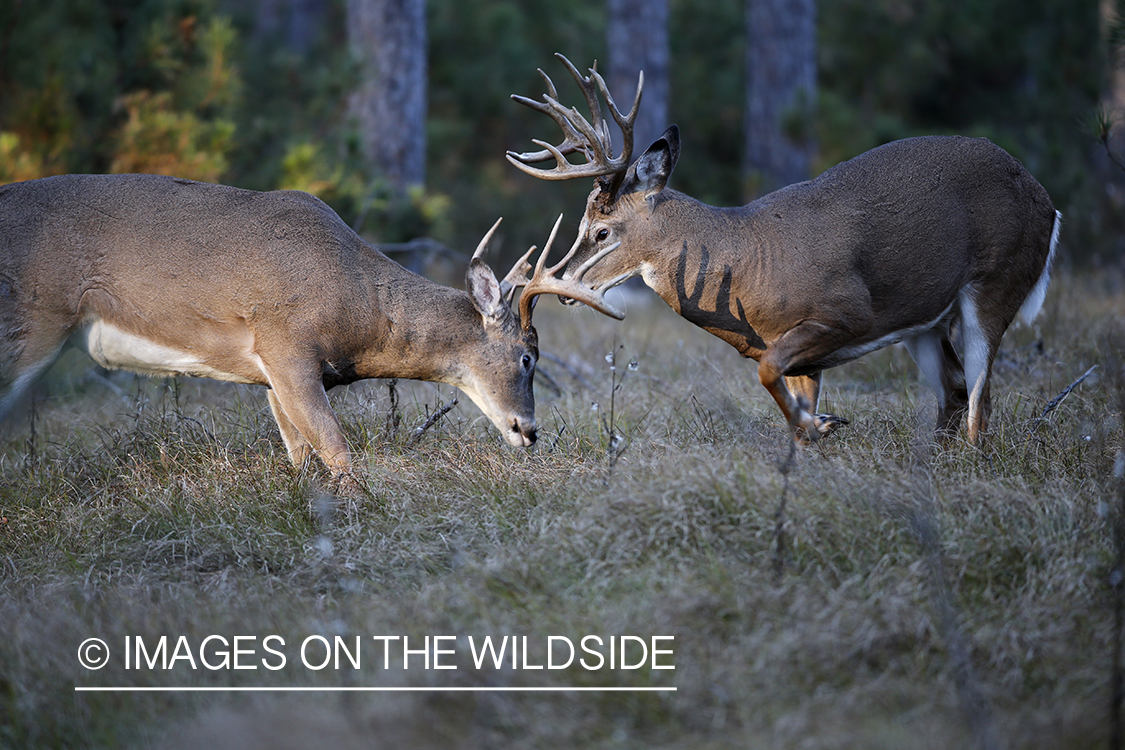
x: 589, y: 85
x: 591, y: 137
x: 517, y: 277
x: 561, y: 115
x: 551, y: 90
x: 625, y: 122
x: 580, y: 136
x: 547, y: 282
x: 483, y: 244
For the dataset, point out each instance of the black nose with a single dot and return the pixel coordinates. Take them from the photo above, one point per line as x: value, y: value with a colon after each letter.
x: 522, y: 432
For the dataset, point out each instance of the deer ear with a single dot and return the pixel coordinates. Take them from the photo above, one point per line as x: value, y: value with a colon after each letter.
x: 650, y: 173
x: 484, y: 290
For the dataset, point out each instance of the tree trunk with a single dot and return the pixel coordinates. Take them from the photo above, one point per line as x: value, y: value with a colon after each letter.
x: 294, y: 21
x: 1113, y: 98
x: 781, y: 92
x: 637, y: 39
x: 388, y: 39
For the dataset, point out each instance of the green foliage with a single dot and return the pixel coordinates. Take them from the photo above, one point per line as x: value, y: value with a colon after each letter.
x: 200, y: 88
x: 141, y: 85
x: 1022, y: 74
x: 708, y: 100
x: 18, y: 163
x: 157, y: 138
x: 1017, y: 70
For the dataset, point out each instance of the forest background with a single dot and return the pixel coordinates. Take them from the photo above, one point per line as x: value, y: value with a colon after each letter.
x: 256, y: 94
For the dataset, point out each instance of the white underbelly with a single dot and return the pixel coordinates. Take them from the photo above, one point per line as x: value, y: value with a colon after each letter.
x: 115, y: 349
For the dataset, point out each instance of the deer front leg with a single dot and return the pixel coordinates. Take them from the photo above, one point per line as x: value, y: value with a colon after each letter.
x: 806, y: 389
x: 305, y: 418
x: 299, y: 449
x: 800, y: 347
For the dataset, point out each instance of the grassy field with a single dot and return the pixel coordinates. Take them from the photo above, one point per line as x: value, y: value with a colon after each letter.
x: 884, y: 592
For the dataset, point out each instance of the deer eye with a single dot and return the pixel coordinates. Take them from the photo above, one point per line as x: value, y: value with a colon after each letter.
x: 602, y: 234
x: 526, y: 362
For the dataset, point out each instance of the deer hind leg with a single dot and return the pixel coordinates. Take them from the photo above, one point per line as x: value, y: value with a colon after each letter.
x: 981, y: 334
x: 23, y: 359
x: 937, y: 359
x: 15, y: 384
x: 806, y: 389
x: 800, y: 348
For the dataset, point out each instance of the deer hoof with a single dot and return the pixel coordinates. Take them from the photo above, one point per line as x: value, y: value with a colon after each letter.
x: 348, y: 483
x: 827, y: 423
x: 818, y: 426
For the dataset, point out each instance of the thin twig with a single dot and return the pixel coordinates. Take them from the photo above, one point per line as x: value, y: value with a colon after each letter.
x: 1065, y: 392
x: 780, y: 540
x: 617, y: 443
x: 431, y: 421
x: 393, y: 417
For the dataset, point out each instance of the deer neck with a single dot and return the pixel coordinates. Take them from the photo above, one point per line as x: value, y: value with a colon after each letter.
x: 416, y: 328
x: 706, y: 263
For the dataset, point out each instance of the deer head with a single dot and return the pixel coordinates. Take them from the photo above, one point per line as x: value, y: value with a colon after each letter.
x: 621, y: 190
x: 498, y: 375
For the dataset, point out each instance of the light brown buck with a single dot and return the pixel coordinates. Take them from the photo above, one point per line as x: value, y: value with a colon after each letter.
x: 895, y: 245
x: 165, y: 276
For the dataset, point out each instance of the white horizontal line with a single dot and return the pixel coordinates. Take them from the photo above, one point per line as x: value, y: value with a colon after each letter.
x: 129, y: 689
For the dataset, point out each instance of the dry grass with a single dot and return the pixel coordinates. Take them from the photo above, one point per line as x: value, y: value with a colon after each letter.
x: 927, y: 596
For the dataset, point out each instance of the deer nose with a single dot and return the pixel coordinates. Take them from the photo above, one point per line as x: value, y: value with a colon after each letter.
x: 522, y: 433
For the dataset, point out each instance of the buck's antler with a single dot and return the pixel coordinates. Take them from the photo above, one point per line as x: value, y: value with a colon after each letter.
x: 591, y: 139
x: 546, y: 281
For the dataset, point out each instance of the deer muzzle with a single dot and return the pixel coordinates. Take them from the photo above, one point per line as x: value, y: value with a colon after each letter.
x: 522, y: 432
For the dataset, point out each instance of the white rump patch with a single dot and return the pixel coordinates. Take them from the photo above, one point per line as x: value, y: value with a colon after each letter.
x: 1034, y: 302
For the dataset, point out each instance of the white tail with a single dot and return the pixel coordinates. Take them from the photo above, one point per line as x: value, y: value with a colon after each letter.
x: 896, y: 245
x: 165, y: 276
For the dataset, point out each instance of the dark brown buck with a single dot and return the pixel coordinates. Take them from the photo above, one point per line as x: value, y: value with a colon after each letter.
x: 895, y: 245
x: 164, y: 276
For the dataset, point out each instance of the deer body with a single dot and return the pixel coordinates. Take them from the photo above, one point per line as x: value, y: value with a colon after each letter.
x: 892, y: 246
x: 165, y: 276
x: 841, y: 249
